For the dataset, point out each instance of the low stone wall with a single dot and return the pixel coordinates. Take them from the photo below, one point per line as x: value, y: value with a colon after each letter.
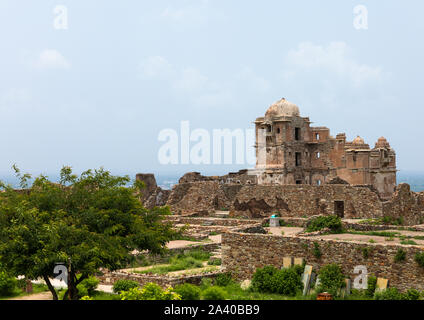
x: 209, y: 221
x: 242, y: 253
x: 109, y: 278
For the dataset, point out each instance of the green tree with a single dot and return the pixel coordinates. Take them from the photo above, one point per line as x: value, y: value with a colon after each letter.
x: 87, y: 222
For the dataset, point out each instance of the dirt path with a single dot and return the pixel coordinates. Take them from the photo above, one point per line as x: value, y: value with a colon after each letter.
x: 35, y: 296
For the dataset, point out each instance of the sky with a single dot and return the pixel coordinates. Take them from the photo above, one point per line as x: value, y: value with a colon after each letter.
x: 93, y: 83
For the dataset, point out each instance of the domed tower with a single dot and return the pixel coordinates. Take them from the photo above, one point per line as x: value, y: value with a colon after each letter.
x: 285, y: 143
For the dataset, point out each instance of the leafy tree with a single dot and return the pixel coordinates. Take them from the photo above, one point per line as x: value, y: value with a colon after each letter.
x: 86, y: 222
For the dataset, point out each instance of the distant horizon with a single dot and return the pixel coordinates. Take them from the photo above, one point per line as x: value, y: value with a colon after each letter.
x: 413, y: 177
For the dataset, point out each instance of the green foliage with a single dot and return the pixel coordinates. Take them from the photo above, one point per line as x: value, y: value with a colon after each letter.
x: 86, y: 298
x: 366, y: 252
x: 150, y: 291
x: 188, y: 291
x: 263, y: 278
x: 205, y: 283
x: 176, y: 264
x: 124, y: 285
x: 419, y: 258
x: 331, y: 279
x: 214, y: 293
x: 332, y: 222
x: 400, y: 255
x: 316, y: 251
x: 409, y: 241
x: 372, y: 285
x: 272, y: 280
x: 7, y: 284
x: 91, y: 221
x: 388, y: 294
x: 90, y: 284
x: 223, y: 279
x: 214, y: 262
x: 411, y: 294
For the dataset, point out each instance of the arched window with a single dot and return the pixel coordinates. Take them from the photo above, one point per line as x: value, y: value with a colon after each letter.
x: 318, y: 155
x: 318, y: 182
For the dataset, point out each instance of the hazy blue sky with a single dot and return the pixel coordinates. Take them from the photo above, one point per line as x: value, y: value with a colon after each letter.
x: 99, y: 93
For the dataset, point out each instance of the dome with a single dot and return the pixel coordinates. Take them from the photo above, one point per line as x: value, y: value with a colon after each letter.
x: 358, y: 140
x: 282, y: 108
x: 382, y: 143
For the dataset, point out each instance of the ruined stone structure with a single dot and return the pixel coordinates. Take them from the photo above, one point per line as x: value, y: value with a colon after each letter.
x: 244, y: 251
x: 290, y: 151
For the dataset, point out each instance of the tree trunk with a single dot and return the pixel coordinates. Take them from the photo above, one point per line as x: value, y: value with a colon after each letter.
x: 51, y: 288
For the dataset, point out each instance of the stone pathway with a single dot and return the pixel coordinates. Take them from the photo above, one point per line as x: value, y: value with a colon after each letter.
x: 36, y: 296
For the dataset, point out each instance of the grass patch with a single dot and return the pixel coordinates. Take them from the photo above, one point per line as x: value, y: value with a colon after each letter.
x: 18, y: 292
x: 191, y: 259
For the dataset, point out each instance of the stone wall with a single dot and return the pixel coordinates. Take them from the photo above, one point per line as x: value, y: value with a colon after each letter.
x: 306, y: 200
x: 242, y: 253
x: 405, y: 204
x: 109, y: 278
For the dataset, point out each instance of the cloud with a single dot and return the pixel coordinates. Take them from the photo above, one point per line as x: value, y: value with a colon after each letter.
x: 197, y: 12
x: 14, y: 95
x: 330, y: 76
x: 51, y: 59
x: 334, y: 58
x: 155, y: 67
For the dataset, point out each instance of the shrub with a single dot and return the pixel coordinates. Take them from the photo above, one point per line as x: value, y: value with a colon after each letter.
x: 205, y: 283
x: 411, y: 294
x: 188, y: 291
x: 400, y: 255
x: 388, y: 294
x: 150, y: 291
x: 262, y: 279
x: 82, y: 290
x: 124, y: 285
x: 214, y: 262
x: 90, y: 284
x: 271, y: 280
x: 372, y: 285
x: 332, y: 222
x: 366, y: 252
x: 317, y: 252
x: 331, y: 279
x: 214, y: 293
x: 7, y: 284
x: 287, y: 282
x: 87, y: 298
x: 223, y: 279
x: 419, y: 258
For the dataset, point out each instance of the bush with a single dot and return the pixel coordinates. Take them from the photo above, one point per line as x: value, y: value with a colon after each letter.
x: 7, y: 284
x: 388, y: 294
x: 188, y: 291
x: 271, y: 280
x: 205, y: 283
x: 214, y: 262
x: 411, y: 294
x: 150, y: 291
x: 124, y: 285
x: 82, y: 290
x: 331, y: 279
x: 332, y: 222
x: 317, y: 252
x: 400, y: 255
x: 262, y: 279
x: 372, y: 285
x: 287, y: 282
x: 223, y: 279
x: 419, y: 258
x: 90, y: 283
x: 214, y: 293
